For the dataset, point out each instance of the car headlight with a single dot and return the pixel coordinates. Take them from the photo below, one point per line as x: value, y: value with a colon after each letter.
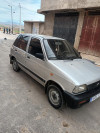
x: 79, y: 89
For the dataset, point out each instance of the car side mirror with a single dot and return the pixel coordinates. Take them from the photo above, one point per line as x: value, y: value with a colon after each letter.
x: 39, y: 55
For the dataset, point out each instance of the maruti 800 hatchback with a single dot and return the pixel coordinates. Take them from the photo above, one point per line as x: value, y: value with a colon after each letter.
x: 55, y: 64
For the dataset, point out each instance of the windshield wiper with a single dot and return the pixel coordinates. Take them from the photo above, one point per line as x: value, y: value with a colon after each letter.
x: 52, y: 58
x: 72, y: 58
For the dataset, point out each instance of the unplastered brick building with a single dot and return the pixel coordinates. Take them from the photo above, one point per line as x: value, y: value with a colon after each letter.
x: 34, y: 27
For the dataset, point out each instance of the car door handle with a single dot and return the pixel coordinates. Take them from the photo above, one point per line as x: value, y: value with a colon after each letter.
x: 15, y: 50
x: 28, y: 57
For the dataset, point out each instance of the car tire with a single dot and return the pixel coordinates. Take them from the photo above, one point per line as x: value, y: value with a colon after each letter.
x: 15, y: 65
x: 55, y: 96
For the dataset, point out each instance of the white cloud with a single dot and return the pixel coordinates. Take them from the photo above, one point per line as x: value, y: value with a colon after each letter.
x: 28, y: 10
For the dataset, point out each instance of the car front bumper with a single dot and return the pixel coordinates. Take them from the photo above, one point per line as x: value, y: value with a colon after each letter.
x: 75, y: 101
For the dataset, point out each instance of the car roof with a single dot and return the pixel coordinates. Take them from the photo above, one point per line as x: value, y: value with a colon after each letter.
x: 43, y: 36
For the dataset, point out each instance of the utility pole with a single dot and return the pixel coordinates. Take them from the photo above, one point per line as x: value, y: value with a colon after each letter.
x: 11, y: 18
x: 20, y: 19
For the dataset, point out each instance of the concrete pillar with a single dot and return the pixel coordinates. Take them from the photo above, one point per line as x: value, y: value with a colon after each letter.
x: 41, y: 28
x: 49, y: 23
x: 79, y: 29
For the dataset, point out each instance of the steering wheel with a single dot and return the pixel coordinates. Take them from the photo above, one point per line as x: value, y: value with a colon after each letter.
x: 65, y: 53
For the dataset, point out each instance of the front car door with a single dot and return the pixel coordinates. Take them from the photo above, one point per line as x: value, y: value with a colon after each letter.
x: 35, y: 60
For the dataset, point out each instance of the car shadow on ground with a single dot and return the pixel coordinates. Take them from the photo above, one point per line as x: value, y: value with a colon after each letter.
x: 40, y: 89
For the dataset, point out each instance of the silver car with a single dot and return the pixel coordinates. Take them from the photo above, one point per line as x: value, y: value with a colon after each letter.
x: 54, y: 63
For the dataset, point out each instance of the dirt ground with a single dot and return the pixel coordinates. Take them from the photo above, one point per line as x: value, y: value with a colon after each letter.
x: 24, y: 107
x: 92, y: 58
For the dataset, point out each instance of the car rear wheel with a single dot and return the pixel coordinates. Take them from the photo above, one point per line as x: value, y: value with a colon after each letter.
x: 15, y: 65
x: 55, y: 96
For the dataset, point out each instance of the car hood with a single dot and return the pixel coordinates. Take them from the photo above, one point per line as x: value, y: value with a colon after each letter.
x: 80, y: 71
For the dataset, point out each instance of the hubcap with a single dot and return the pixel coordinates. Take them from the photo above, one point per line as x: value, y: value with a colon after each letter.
x: 54, y: 96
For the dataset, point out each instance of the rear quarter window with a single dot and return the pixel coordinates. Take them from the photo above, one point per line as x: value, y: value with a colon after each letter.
x: 22, y: 41
x: 16, y: 41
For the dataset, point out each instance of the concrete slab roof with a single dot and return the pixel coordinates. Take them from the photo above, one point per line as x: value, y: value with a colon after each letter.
x: 26, y: 21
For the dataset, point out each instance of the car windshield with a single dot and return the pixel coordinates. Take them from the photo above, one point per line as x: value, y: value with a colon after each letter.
x: 60, y: 50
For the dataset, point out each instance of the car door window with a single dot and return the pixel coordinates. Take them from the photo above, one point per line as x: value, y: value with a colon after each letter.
x: 21, y: 42
x: 16, y: 41
x: 35, y: 48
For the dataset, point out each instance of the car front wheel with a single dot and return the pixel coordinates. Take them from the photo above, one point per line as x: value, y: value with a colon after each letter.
x: 15, y: 66
x: 55, y: 96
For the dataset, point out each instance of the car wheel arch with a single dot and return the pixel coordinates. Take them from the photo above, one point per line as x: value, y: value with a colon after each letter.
x: 51, y: 82
x: 11, y: 59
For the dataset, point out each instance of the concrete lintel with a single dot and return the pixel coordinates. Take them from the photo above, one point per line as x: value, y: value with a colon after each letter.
x: 56, y: 11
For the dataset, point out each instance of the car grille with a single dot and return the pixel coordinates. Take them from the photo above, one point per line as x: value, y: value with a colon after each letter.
x: 93, y: 86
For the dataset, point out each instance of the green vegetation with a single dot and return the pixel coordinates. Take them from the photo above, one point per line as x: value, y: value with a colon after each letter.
x: 16, y: 31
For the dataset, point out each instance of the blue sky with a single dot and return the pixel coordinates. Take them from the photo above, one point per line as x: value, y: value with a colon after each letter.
x: 28, y: 10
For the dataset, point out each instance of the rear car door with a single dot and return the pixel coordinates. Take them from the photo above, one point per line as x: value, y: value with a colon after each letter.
x: 35, y: 60
x: 20, y: 46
